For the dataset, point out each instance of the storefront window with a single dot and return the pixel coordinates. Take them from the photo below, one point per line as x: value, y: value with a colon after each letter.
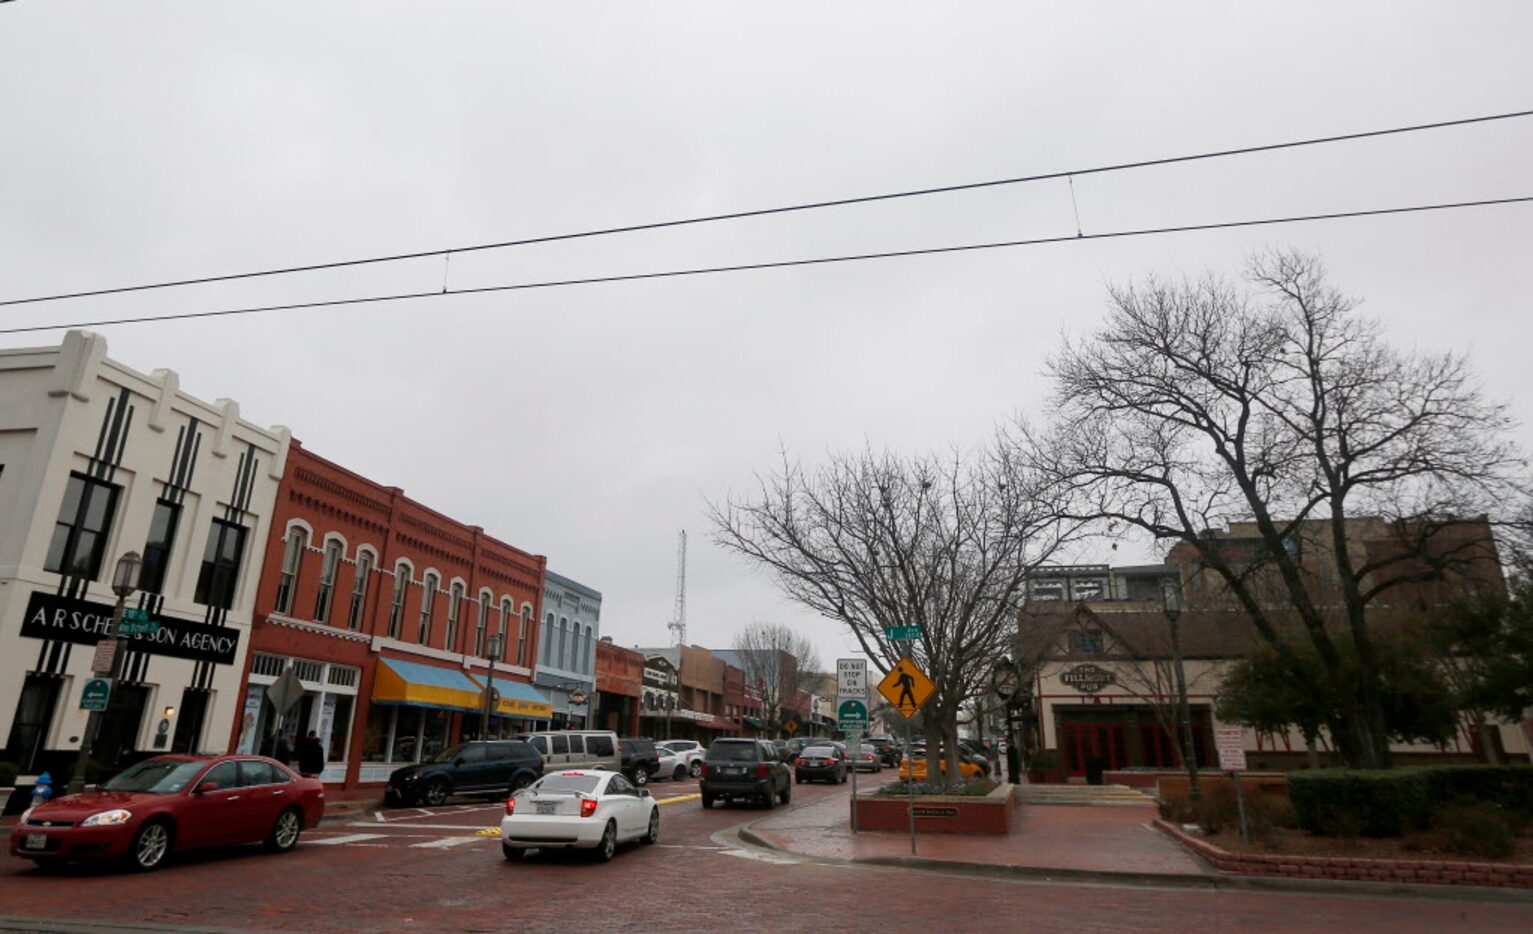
x: 340, y: 727
x: 434, y: 731
x: 407, y: 729
x: 375, y: 737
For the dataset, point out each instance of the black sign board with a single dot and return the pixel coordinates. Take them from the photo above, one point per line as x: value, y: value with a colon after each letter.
x: 929, y: 810
x: 1088, y: 679
x: 83, y: 622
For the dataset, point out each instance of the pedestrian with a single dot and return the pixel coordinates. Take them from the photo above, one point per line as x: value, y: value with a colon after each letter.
x: 281, y: 751
x: 42, y: 792
x: 311, y: 755
x: 1013, y: 764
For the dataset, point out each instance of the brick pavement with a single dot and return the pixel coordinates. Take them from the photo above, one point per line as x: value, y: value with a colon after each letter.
x: 1077, y: 839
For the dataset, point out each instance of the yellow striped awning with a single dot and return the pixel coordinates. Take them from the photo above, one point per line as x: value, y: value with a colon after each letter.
x: 519, y: 699
x: 415, y: 685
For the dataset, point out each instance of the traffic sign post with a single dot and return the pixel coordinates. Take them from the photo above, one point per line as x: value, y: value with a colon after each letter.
x: 852, y: 716
x: 906, y: 687
x: 1229, y: 741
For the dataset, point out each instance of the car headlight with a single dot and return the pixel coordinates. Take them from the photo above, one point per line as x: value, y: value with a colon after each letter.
x: 107, y: 818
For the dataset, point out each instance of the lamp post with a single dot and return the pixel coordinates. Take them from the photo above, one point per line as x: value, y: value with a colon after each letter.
x: 492, y: 652
x: 1171, y: 603
x: 124, y: 583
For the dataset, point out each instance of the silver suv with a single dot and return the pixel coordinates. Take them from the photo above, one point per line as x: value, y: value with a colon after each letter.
x: 576, y: 749
x: 690, y: 753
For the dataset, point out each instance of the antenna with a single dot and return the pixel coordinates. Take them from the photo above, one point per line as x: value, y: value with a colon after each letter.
x: 678, y: 623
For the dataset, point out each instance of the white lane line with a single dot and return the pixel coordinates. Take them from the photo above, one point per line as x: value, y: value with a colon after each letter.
x: 443, y: 843
x: 348, y: 838
x: 466, y: 828
x: 444, y: 812
x: 762, y: 857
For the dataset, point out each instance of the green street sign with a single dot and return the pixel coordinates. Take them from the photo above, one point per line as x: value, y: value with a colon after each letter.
x: 97, y: 692
x: 133, y: 614
x: 136, y: 622
x: 852, y: 716
x: 902, y: 633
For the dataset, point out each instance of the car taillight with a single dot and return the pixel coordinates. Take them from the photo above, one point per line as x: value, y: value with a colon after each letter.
x: 799, y: 762
x: 761, y: 771
x: 587, y: 807
x: 703, y: 771
x: 510, y: 805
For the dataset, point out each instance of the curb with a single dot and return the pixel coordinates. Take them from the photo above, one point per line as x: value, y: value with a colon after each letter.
x: 678, y: 799
x: 1215, y: 880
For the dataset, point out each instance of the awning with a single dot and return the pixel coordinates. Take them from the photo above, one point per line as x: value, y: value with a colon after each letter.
x: 519, y: 699
x: 415, y: 685
x: 753, y: 723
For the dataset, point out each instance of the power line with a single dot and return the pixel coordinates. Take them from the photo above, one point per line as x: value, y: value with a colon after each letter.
x: 782, y: 209
x: 782, y: 264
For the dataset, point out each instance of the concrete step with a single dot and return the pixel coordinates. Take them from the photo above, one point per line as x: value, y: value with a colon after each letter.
x: 1092, y: 795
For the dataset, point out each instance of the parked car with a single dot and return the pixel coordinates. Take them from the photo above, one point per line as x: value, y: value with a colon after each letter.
x: 888, y: 749
x: 783, y: 752
x: 671, y: 768
x: 798, y: 743
x: 866, y: 758
x: 576, y: 749
x: 744, y: 770
x: 581, y: 809
x: 640, y: 760
x: 689, y: 751
x: 172, y: 803
x: 494, y: 767
x: 820, y: 764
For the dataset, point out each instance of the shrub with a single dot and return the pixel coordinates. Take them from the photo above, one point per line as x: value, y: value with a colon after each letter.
x: 1345, y: 802
x: 973, y: 789
x: 1219, y: 811
x: 1474, y: 830
x: 8, y: 773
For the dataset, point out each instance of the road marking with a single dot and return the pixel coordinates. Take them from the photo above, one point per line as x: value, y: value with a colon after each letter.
x: 443, y: 812
x: 443, y: 843
x: 678, y: 799
x: 490, y: 832
x: 466, y: 828
x: 762, y: 857
x: 688, y: 846
x: 348, y: 838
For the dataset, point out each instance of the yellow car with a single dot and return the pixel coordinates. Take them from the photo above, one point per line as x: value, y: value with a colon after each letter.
x: 965, y: 769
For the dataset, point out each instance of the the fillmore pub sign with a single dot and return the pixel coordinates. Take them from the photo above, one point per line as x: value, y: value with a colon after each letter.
x: 1088, y: 679
x: 83, y: 622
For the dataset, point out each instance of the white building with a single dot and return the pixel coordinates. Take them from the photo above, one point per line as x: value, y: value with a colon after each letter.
x: 96, y: 460
x: 567, y: 649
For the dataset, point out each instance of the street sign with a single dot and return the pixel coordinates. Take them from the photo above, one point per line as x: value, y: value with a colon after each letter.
x: 852, y: 716
x: 906, y: 688
x: 285, y: 692
x: 851, y: 678
x: 902, y: 633
x: 136, y: 622
x: 96, y: 694
x: 133, y: 614
x: 790, y: 726
x: 106, y: 653
x: 1230, y: 742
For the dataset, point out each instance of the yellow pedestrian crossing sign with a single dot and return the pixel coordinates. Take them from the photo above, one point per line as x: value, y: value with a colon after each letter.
x: 906, y: 688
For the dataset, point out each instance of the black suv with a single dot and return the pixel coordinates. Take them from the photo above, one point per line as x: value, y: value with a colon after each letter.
x: 745, y: 770
x: 641, y: 760
x: 888, y: 750
x: 495, y: 767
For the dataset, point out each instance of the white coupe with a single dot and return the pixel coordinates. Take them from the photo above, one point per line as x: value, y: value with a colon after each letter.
x: 578, y: 808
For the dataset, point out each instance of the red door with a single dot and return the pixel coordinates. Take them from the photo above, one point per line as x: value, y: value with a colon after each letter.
x: 1083, y: 741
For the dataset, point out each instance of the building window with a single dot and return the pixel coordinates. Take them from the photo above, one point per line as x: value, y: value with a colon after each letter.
x: 1086, y: 642
x: 590, y: 650
x: 455, y: 599
x: 79, y: 536
x: 484, y: 622
x: 561, y: 660
x: 521, y: 635
x: 506, y: 615
x: 292, y: 560
x: 327, y: 571
x: 547, y: 640
x: 221, y: 565
x: 359, y: 590
x: 428, y: 599
x: 397, y: 610
x: 162, y: 534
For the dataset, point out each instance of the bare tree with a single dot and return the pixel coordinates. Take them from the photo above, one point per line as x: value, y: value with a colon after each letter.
x: 1200, y: 405
x: 778, y: 661
x: 876, y: 540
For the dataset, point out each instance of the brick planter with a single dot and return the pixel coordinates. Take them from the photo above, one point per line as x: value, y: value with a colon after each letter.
x: 939, y: 813
x: 1439, y: 872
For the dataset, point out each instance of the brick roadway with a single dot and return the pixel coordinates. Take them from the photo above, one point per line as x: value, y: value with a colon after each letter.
x: 1085, y: 839
x: 389, y: 881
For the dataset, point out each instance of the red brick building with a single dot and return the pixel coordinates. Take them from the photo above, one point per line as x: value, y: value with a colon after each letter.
x: 385, y: 611
x: 619, y: 687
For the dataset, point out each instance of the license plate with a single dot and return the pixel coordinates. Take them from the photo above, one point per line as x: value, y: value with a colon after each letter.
x: 733, y: 770
x: 547, y: 807
x: 37, y: 841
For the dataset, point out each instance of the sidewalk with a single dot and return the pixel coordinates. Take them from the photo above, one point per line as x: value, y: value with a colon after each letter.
x: 1076, y: 841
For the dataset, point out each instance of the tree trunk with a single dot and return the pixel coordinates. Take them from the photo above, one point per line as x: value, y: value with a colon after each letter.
x: 1311, y: 750
x: 1488, y: 739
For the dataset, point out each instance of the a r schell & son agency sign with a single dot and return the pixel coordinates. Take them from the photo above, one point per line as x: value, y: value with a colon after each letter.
x: 50, y: 616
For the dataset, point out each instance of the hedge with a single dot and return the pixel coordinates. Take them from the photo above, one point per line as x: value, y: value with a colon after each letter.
x: 1348, y: 802
x: 8, y: 772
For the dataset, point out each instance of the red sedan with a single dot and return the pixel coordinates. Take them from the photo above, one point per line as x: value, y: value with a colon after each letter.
x: 173, y: 803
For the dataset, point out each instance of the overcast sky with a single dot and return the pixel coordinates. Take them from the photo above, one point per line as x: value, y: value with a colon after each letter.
x: 149, y: 141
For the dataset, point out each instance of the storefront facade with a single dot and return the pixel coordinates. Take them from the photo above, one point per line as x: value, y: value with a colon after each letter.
x: 386, y: 612
x: 619, y: 687
x: 97, y: 460
x: 566, y: 666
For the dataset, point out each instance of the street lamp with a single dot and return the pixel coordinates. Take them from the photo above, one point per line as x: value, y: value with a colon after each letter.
x: 492, y: 652
x: 1171, y: 604
x: 1005, y: 680
x: 124, y: 583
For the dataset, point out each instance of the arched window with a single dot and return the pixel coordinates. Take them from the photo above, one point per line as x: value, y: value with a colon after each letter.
x: 327, y: 571
x: 292, y: 560
x: 483, y: 623
x: 428, y: 602
x: 564, y: 647
x: 359, y: 589
x: 590, y: 649
x: 397, y: 609
x: 454, y: 601
x: 506, y: 611
x: 547, y: 639
x: 521, y: 635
